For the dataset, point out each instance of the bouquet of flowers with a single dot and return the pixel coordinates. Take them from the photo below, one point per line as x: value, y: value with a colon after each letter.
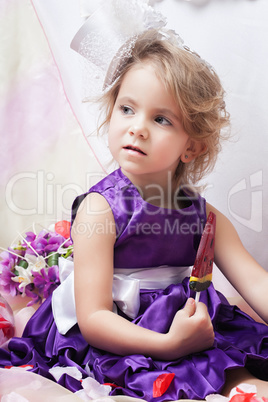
x: 29, y: 267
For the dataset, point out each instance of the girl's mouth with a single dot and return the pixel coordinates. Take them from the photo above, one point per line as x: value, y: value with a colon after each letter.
x: 134, y: 149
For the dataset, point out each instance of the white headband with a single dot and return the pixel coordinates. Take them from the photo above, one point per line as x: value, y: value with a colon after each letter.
x: 109, y: 34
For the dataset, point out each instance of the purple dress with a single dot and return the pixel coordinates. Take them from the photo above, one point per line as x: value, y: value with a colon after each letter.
x: 148, y: 236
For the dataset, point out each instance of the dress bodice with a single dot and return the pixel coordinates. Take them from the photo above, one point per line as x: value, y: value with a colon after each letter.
x: 150, y: 236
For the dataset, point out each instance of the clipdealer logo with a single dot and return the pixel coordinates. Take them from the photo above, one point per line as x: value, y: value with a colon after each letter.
x: 255, y: 189
x: 48, y: 197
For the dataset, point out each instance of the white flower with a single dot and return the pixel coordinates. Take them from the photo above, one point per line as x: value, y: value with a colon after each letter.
x: 24, y: 278
x: 36, y: 263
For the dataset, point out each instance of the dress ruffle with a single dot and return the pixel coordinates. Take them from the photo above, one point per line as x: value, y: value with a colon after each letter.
x: 239, y: 342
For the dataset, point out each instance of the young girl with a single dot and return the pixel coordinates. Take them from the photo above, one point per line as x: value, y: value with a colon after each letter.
x: 136, y: 234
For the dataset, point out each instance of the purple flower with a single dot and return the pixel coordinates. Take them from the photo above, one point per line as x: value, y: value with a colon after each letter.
x: 36, y: 279
x: 6, y: 282
x: 68, y: 243
x: 54, y: 243
x: 36, y: 298
x: 30, y: 236
x: 19, y: 251
x: 6, y: 264
x: 46, y: 280
x: 8, y: 259
x: 39, y: 245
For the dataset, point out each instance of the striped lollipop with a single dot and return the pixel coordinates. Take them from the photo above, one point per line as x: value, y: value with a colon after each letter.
x: 201, y: 276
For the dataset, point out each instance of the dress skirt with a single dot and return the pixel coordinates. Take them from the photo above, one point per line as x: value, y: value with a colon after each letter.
x: 239, y: 342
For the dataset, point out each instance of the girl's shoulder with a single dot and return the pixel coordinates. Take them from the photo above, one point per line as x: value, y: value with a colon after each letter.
x: 121, y: 195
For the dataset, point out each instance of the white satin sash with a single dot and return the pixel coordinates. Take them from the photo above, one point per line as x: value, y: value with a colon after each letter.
x: 127, y: 284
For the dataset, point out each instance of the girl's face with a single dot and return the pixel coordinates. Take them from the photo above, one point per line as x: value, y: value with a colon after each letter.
x: 146, y: 136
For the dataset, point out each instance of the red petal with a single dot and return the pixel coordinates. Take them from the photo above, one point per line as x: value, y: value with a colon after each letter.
x: 162, y: 383
x: 243, y: 398
x: 63, y: 228
x: 26, y: 365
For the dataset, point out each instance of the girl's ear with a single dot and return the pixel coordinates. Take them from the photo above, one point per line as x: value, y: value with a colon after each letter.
x: 192, y: 150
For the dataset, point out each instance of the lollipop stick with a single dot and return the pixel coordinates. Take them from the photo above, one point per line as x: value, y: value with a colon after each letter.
x: 197, y: 297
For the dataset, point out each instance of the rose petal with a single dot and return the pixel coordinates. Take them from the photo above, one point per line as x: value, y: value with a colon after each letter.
x: 162, y: 383
x: 242, y: 398
x: 63, y: 228
x: 216, y: 398
x: 94, y: 389
x: 58, y: 371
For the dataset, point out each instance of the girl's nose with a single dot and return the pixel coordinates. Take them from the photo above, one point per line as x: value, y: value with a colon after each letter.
x: 139, y: 129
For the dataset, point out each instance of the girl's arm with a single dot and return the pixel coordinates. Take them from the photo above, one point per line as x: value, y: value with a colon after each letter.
x: 239, y: 267
x: 93, y: 234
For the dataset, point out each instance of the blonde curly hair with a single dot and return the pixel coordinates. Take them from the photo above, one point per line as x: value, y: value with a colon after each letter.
x: 196, y: 89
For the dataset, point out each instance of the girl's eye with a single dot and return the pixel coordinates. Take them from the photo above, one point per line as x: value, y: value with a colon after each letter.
x: 126, y: 109
x: 163, y: 121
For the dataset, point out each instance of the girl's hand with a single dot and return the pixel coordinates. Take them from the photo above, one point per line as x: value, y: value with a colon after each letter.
x: 191, y: 330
